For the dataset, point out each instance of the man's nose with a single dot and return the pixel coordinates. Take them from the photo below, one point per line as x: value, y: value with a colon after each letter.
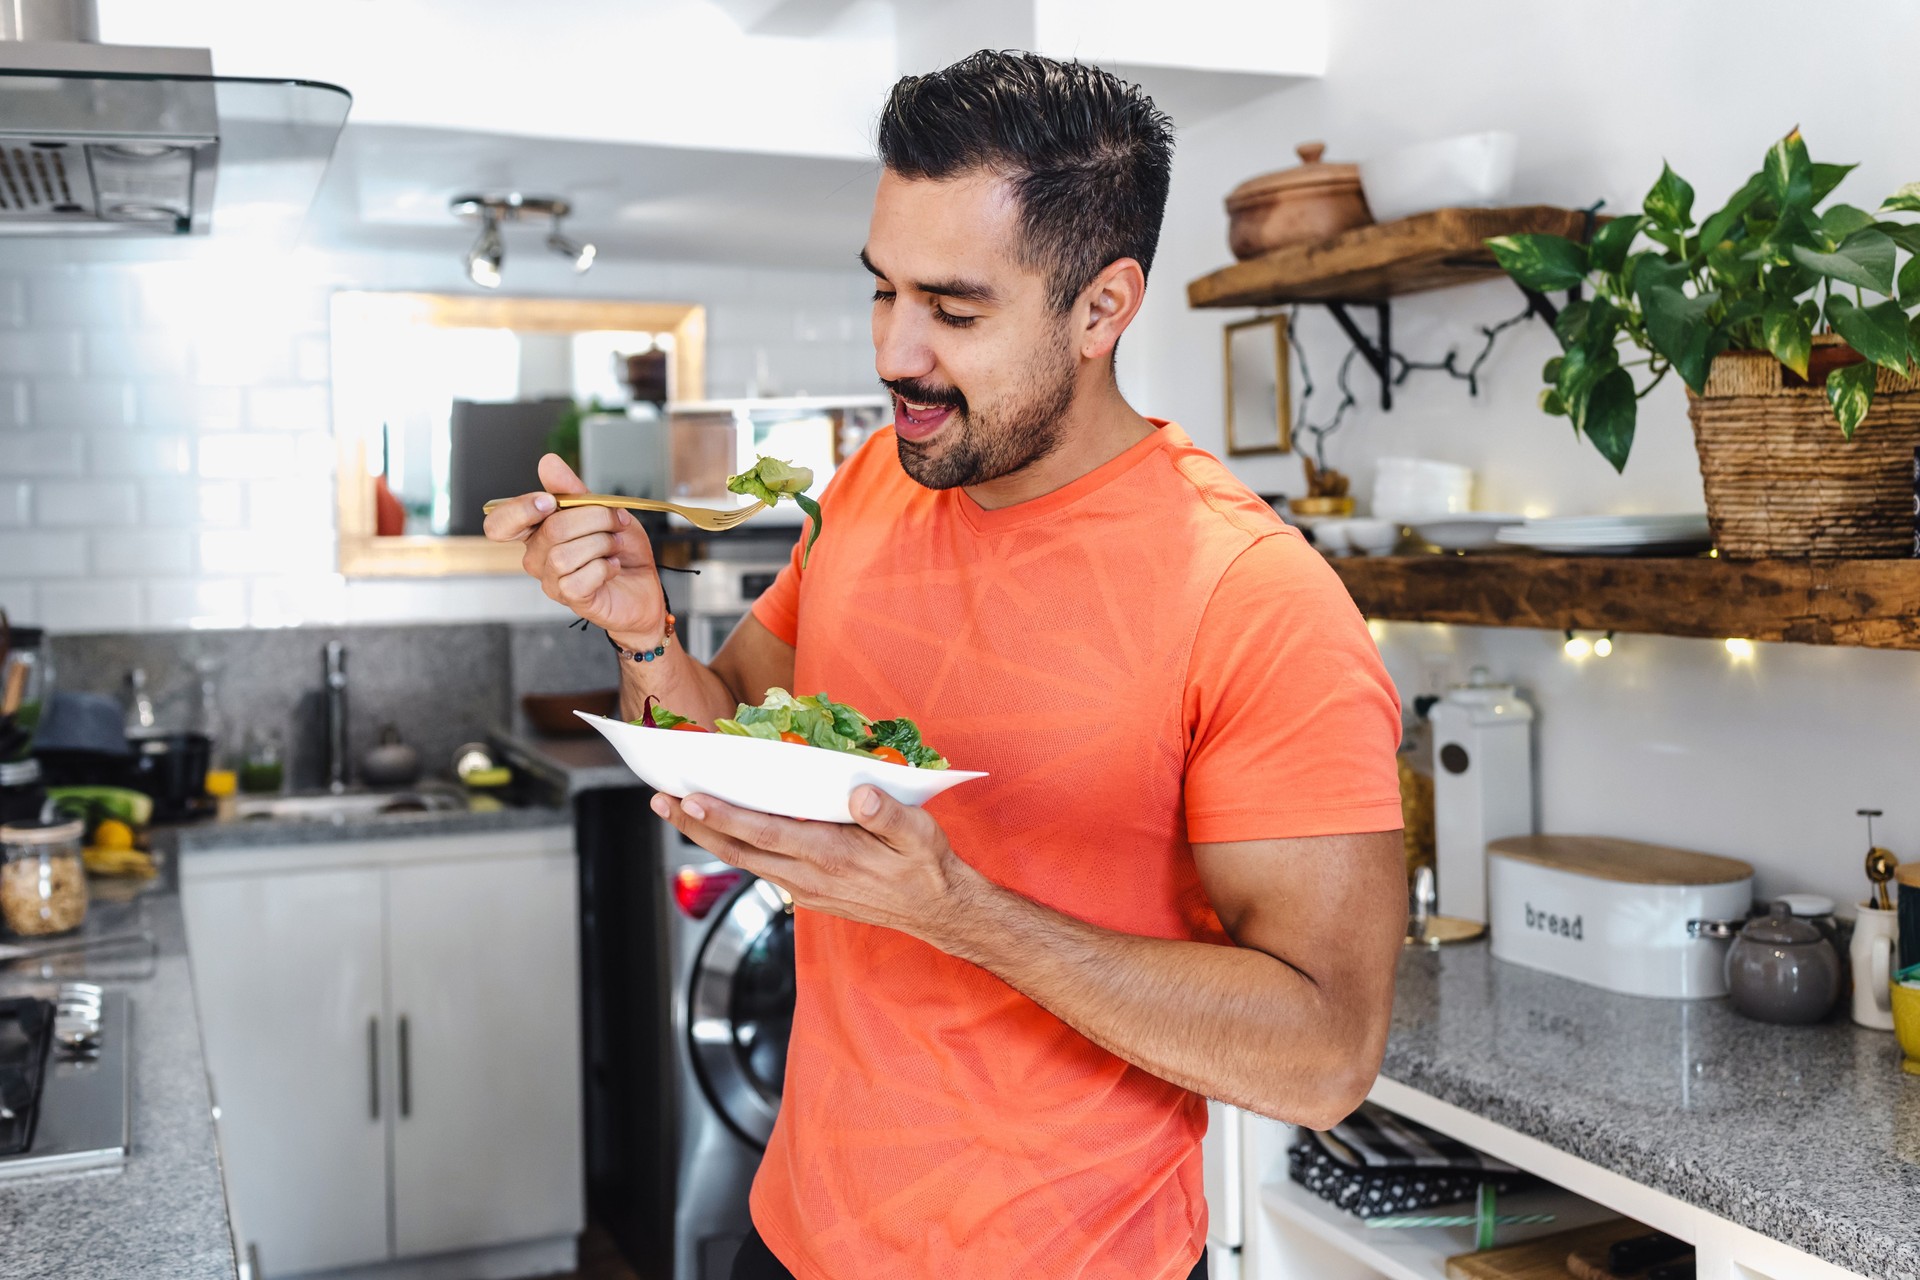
x: 900, y: 350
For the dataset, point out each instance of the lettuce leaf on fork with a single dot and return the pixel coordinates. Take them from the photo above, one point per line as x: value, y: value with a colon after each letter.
x: 770, y: 480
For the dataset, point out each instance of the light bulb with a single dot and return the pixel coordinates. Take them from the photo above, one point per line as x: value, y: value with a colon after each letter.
x: 1739, y: 648
x: 1603, y: 646
x: 581, y: 254
x: 487, y: 255
x: 1578, y: 646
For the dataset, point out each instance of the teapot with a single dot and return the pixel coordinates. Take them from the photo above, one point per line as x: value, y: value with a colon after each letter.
x: 1783, y: 969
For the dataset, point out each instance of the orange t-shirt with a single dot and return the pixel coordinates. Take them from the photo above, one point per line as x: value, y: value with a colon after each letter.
x: 1145, y: 658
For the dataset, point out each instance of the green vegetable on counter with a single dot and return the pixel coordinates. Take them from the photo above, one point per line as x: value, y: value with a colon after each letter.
x: 135, y: 808
x: 769, y: 480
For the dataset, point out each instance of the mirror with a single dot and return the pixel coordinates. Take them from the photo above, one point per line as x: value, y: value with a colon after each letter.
x: 442, y: 401
x: 1258, y: 410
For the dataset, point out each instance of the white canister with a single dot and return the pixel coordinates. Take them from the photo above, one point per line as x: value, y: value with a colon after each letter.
x: 1482, y: 786
x: 1876, y: 937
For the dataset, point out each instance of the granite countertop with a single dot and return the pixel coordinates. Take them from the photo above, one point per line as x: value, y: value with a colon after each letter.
x: 1809, y: 1135
x: 164, y: 1213
x: 254, y: 832
x: 569, y: 765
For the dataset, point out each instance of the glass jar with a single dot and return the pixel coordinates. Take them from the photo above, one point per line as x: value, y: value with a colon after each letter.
x: 43, y: 882
x: 26, y: 681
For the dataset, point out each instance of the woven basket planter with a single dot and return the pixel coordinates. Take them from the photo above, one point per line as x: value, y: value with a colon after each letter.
x: 1781, y: 482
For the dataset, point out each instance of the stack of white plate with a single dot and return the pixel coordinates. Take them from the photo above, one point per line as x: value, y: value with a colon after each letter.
x: 1611, y: 535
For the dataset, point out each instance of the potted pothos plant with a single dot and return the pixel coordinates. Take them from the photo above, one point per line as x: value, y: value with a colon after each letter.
x: 1790, y: 325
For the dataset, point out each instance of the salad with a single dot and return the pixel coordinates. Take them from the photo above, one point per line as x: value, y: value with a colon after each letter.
x: 816, y: 721
x: 770, y: 480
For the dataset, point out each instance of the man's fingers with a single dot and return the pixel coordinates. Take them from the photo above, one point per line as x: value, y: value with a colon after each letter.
x: 516, y: 518
x: 579, y: 552
x: 578, y: 587
x: 777, y: 867
x: 557, y: 477
x: 761, y: 830
x: 884, y: 816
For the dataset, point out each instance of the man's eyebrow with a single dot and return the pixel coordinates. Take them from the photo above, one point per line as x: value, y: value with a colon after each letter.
x: 961, y: 290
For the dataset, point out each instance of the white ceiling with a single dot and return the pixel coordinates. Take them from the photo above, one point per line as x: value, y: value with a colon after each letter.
x: 389, y: 187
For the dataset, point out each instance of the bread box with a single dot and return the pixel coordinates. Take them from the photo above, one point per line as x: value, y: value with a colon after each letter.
x: 1616, y: 914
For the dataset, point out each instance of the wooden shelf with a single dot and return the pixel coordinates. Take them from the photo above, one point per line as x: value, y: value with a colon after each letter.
x: 1869, y: 603
x: 1371, y: 264
x: 1421, y: 1253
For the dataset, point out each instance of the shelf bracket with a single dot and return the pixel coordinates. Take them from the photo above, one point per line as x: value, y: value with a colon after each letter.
x: 1378, y: 352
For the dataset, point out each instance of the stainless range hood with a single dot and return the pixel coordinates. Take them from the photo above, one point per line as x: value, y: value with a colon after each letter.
x: 121, y: 140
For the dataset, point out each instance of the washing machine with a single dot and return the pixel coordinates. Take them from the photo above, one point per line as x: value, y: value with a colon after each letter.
x: 733, y: 985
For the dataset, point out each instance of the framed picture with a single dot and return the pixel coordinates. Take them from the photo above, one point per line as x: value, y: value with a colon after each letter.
x: 1259, y: 401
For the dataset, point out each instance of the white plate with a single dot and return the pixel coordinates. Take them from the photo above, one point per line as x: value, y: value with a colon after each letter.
x: 1590, y: 524
x: 1665, y: 543
x: 786, y: 778
x: 1467, y: 530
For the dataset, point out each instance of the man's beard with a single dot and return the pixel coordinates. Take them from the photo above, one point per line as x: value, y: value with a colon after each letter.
x: 988, y: 446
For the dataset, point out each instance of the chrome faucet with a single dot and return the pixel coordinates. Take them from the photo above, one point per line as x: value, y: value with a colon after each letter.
x: 336, y: 674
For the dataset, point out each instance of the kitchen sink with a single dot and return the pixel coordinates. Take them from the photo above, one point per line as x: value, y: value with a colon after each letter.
x: 328, y: 807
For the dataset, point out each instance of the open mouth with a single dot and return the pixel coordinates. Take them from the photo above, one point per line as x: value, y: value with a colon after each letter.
x: 916, y: 422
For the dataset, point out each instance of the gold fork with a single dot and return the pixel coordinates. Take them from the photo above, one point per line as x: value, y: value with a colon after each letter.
x: 711, y: 519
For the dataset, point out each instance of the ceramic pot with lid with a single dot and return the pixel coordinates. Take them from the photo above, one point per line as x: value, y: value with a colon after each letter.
x: 1783, y: 969
x: 1310, y: 202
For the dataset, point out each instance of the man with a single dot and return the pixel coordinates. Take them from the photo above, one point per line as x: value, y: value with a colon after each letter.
x: 1183, y: 875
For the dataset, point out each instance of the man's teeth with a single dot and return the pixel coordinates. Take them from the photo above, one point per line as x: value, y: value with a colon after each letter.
x: 917, y: 408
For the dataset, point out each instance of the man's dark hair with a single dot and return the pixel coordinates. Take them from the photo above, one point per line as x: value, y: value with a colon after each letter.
x: 1088, y: 154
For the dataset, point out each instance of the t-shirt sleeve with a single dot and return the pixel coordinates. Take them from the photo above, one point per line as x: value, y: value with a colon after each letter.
x: 1292, y: 721
x: 778, y: 607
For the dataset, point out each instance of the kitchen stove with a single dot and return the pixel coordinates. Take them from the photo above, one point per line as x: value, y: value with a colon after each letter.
x: 63, y: 1098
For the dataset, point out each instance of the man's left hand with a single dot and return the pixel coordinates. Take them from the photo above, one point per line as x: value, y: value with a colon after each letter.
x: 894, y: 868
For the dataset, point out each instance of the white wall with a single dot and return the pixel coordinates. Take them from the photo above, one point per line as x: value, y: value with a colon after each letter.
x: 1668, y: 739
x: 166, y: 455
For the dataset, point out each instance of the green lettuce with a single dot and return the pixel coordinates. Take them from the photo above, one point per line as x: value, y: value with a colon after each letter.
x: 770, y: 480
x: 903, y: 735
x: 823, y: 722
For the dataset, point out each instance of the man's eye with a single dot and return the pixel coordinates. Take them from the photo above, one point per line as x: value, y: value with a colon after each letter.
x: 882, y: 295
x: 948, y: 318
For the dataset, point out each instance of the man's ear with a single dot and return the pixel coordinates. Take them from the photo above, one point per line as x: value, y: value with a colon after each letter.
x: 1111, y: 302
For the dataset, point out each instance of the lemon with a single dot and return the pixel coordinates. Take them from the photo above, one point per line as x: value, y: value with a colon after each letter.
x: 113, y: 834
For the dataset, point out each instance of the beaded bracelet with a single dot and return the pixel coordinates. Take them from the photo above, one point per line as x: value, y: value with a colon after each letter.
x: 644, y: 655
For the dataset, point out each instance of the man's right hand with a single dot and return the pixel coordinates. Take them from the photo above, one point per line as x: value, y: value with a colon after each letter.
x: 594, y: 560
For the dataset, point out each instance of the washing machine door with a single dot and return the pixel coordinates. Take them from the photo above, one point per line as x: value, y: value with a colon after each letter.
x: 741, y: 1009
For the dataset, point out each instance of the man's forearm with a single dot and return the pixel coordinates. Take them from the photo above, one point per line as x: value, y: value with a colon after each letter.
x: 682, y: 684
x: 1229, y: 1022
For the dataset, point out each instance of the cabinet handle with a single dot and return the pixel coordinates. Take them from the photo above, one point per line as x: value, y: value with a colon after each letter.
x: 373, y: 1068
x: 406, y: 1073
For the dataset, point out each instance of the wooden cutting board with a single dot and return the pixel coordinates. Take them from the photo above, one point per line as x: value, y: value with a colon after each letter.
x: 1628, y: 861
x: 1545, y: 1257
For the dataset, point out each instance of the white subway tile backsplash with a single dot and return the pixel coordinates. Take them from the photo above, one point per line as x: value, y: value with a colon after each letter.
x: 182, y: 502
x: 244, y: 358
x: 42, y: 453
x: 247, y: 456
x: 13, y: 403
x: 187, y: 406
x: 21, y: 600
x: 13, y: 304
x: 42, y: 353
x: 293, y: 601
x: 146, y: 353
x: 16, y: 504
x: 143, y: 553
x: 286, y: 550
x: 306, y: 503
x: 291, y: 408
x: 140, y: 453
x: 90, y: 606
x: 43, y: 555
x: 76, y: 298
x: 312, y: 359
x: 196, y: 602
x: 86, y: 504
x: 66, y: 406
x: 222, y: 504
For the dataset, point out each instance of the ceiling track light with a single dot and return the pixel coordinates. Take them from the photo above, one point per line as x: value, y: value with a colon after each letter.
x: 488, y: 254
x: 1578, y: 646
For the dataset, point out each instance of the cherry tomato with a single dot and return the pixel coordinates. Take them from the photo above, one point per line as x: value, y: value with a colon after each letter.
x: 790, y: 736
x: 890, y: 754
x: 691, y: 727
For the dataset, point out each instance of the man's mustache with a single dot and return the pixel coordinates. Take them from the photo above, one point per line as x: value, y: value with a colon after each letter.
x: 924, y: 393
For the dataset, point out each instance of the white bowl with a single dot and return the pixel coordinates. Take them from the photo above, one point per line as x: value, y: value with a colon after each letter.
x: 1474, y: 169
x: 1375, y: 537
x: 785, y: 778
x: 1466, y: 530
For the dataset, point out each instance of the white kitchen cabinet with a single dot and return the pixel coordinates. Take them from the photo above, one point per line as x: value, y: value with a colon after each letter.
x: 288, y: 975
x: 392, y: 1031
x: 483, y: 978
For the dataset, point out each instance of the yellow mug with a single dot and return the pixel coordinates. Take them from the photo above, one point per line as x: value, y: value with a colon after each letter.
x: 1906, y: 1023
